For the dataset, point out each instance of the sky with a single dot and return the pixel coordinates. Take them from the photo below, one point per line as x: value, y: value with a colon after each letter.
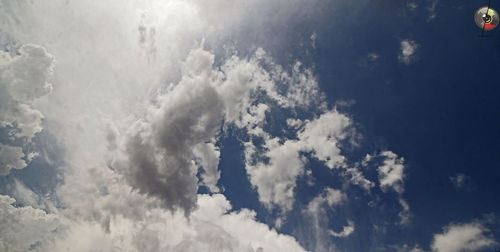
x: 253, y: 126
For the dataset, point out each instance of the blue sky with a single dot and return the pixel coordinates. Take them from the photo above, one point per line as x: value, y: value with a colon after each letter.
x: 248, y: 126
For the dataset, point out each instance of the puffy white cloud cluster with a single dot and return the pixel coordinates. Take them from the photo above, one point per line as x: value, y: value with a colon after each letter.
x: 133, y: 146
x: 275, y: 167
x: 275, y: 179
x: 391, y: 172
x: 210, y: 228
x: 161, y: 153
x: 391, y: 176
x: 11, y: 158
x: 24, y: 227
x: 23, y: 79
x: 471, y: 236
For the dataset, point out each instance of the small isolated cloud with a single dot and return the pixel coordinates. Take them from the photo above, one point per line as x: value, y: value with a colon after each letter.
x: 314, y: 37
x: 463, y: 237
x: 391, y: 176
x: 408, y: 50
x: 22, y: 228
x: 459, y: 180
x: 391, y: 173
x: 369, y: 60
x: 346, y: 230
x: 274, y: 172
x: 432, y: 9
x: 373, y: 56
x: 411, y: 6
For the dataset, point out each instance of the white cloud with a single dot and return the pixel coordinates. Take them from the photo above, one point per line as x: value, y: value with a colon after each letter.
x: 275, y: 179
x: 357, y: 178
x: 208, y: 155
x: 471, y: 236
x: 391, y: 176
x: 459, y: 180
x: 346, y: 230
x: 391, y: 173
x: 23, y: 79
x: 11, y: 158
x: 24, y: 227
x: 373, y: 57
x: 322, y: 137
x: 315, y: 228
x: 408, y: 50
x: 211, y: 227
x: 404, y: 214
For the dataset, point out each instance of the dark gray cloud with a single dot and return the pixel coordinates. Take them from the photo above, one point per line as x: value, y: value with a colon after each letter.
x: 160, y: 151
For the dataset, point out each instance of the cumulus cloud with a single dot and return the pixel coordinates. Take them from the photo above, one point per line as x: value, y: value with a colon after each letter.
x: 23, y: 79
x: 411, y: 5
x: 391, y: 172
x: 159, y: 151
x: 391, y: 176
x: 373, y: 57
x: 207, y: 155
x: 24, y: 228
x: 11, y: 158
x: 357, y: 178
x: 408, y: 50
x: 212, y: 227
x: 471, y: 236
x: 274, y: 172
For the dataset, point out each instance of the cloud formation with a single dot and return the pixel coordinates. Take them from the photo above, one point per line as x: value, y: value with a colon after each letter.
x: 23, y: 79
x: 471, y: 236
x: 459, y: 180
x: 159, y: 150
x: 275, y: 179
x: 133, y: 145
x: 408, y: 50
x: 391, y: 176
